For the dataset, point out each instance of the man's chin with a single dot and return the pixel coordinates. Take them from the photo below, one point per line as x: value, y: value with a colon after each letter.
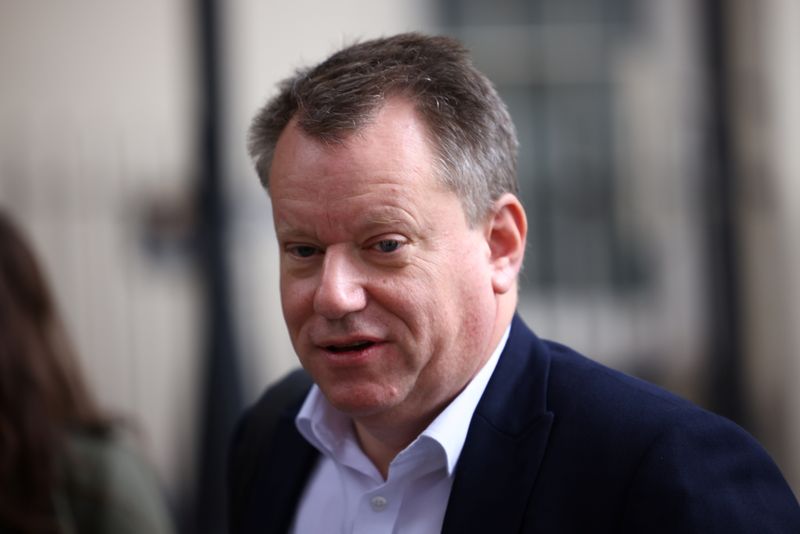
x: 359, y: 400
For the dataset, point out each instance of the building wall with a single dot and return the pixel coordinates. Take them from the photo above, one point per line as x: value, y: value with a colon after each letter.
x: 95, y: 125
x: 766, y: 79
x: 98, y: 128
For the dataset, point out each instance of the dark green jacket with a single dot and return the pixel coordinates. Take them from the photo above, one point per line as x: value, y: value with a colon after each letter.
x: 107, y: 489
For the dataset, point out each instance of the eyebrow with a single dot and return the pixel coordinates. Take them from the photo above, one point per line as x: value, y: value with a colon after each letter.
x: 386, y: 218
x: 378, y: 219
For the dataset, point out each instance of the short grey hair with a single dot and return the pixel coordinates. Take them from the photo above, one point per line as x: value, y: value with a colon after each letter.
x: 474, y: 137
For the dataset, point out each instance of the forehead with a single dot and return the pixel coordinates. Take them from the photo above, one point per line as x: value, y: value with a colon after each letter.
x: 396, y: 134
x: 386, y: 170
x: 392, y: 151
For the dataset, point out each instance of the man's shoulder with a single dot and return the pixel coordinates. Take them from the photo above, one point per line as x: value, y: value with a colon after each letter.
x: 627, y: 423
x: 618, y: 443
x: 536, y: 376
x: 591, y: 381
x: 596, y: 395
x: 576, y: 386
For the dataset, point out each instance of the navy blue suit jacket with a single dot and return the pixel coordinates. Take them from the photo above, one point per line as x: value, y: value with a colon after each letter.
x: 561, y: 444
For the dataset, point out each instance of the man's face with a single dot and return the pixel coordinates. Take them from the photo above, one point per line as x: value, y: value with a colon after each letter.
x: 386, y: 291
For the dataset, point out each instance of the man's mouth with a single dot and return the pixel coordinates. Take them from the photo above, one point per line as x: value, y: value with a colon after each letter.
x: 349, y: 347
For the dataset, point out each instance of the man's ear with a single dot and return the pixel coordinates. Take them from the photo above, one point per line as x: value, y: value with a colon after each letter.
x: 506, y: 230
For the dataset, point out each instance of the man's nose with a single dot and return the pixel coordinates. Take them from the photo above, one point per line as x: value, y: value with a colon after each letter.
x: 340, y: 289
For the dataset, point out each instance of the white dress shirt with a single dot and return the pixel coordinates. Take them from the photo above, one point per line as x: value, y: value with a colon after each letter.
x: 347, y: 494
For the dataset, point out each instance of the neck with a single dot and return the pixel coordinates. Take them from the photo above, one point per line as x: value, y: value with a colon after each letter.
x: 382, y: 447
x: 383, y: 437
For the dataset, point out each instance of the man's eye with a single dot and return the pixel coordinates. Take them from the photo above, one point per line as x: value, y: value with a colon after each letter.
x: 388, y: 245
x: 302, y: 251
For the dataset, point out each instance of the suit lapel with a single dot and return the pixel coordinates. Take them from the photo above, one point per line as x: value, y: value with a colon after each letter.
x: 506, y: 442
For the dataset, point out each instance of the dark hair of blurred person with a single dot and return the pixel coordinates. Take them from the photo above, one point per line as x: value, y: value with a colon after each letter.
x: 54, y: 467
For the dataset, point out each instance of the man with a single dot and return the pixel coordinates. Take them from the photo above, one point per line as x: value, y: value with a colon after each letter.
x: 391, y: 169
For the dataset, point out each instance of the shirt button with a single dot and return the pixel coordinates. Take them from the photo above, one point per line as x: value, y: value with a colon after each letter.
x: 378, y: 503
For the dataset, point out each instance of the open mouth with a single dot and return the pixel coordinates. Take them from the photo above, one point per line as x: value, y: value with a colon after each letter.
x: 349, y: 347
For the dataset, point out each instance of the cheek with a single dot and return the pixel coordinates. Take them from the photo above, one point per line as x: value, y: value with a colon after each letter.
x: 466, y: 291
x: 428, y: 308
x: 297, y: 301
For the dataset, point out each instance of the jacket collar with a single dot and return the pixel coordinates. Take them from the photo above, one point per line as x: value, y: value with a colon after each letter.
x: 496, y: 470
x: 505, y: 443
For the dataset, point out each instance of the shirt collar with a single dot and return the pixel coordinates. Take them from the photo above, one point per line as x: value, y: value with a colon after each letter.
x: 450, y: 427
x: 330, y: 431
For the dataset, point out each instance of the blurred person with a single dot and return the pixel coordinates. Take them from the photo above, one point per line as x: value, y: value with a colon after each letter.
x: 426, y: 404
x: 65, y: 466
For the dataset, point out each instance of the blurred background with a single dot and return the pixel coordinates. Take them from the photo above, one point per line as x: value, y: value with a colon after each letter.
x: 658, y: 168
